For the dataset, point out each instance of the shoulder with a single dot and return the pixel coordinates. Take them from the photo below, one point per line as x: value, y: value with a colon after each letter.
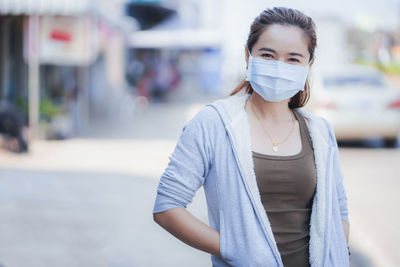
x: 309, y: 117
x: 301, y: 114
x: 319, y: 123
x: 207, y: 118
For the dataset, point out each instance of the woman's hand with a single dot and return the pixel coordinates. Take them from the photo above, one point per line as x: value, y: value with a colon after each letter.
x: 187, y: 228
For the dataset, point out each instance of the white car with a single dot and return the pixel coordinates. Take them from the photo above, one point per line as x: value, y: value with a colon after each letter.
x: 359, y: 102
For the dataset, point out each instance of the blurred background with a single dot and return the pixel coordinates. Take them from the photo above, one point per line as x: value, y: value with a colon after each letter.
x: 94, y: 95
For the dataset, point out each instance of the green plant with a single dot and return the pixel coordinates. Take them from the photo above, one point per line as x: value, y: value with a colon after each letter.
x: 48, y: 109
x: 391, y: 68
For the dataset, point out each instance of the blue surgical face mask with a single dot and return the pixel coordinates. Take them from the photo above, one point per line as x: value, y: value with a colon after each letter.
x: 274, y: 80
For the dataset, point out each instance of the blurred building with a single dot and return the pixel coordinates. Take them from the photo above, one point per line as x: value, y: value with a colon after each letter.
x: 60, y: 60
x: 176, y: 48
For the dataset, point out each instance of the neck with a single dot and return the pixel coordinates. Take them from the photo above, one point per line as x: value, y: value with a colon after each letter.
x: 274, y: 112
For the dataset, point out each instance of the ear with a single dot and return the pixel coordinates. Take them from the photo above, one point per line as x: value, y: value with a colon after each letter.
x: 246, y: 53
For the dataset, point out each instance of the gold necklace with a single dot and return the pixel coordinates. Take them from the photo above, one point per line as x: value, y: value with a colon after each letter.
x: 274, y: 144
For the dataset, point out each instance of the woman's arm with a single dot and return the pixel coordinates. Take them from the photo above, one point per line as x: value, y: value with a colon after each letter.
x: 187, y: 228
x: 186, y: 172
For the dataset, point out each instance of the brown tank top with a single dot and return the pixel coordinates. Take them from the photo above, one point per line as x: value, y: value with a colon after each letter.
x: 287, y: 185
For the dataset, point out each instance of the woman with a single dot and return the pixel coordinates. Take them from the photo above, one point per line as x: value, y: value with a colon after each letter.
x: 270, y: 169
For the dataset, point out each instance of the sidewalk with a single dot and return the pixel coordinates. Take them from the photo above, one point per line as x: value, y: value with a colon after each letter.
x: 134, y: 144
x: 87, y: 201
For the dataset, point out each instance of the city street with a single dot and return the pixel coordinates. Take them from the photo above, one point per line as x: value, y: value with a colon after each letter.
x: 94, y: 96
x: 88, y: 201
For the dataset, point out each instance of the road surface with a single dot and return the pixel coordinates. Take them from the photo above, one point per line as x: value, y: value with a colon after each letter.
x: 87, y: 201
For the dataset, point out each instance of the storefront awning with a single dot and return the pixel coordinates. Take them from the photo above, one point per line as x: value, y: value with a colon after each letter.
x: 44, y: 7
x: 184, y: 39
x: 70, y: 8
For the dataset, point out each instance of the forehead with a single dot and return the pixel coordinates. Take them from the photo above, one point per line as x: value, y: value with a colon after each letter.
x: 283, y: 39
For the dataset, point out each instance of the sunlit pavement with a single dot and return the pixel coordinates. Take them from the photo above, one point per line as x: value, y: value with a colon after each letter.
x: 87, y: 201
x: 372, y: 180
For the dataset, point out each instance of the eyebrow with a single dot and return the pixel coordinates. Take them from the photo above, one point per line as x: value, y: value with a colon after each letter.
x: 267, y: 49
x: 273, y: 51
x: 296, y: 54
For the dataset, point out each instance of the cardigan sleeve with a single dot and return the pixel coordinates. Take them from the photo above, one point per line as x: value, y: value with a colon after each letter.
x: 338, y: 175
x: 189, y: 163
x: 341, y: 191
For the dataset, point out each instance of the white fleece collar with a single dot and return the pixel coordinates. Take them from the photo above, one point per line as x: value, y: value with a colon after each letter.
x: 237, y: 124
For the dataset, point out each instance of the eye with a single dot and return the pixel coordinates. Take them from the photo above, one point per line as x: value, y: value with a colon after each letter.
x: 292, y: 59
x: 267, y: 55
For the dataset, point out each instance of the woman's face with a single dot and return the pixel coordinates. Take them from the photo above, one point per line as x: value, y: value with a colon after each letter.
x: 285, y: 43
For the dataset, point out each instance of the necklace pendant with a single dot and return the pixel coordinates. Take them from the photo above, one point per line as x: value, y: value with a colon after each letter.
x: 275, y: 148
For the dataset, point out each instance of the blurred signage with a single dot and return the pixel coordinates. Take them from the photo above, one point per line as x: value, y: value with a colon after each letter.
x: 60, y: 35
x: 67, y: 40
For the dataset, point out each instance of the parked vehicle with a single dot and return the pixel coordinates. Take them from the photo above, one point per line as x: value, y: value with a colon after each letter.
x: 359, y: 102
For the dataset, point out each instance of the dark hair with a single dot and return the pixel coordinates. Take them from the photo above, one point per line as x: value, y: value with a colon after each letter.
x: 283, y: 16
